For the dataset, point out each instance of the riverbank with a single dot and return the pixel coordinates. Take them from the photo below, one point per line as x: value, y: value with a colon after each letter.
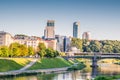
x: 117, y: 77
x: 17, y: 72
x: 9, y: 64
x: 44, y: 65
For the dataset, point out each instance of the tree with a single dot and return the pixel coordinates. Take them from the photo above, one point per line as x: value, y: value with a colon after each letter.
x: 77, y: 43
x: 87, y: 49
x: 116, y: 50
x: 49, y: 53
x: 107, y: 49
x: 41, y: 49
x: 4, y: 50
x: 42, y: 53
x: 86, y: 46
x: 62, y: 54
x: 95, y: 46
x: 56, y: 53
x: 14, y: 49
x: 41, y: 46
x: 30, y: 51
x: 0, y: 52
x: 23, y: 50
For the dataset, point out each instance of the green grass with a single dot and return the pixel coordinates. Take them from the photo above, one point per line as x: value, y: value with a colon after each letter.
x: 8, y: 64
x: 79, y: 66
x: 108, y: 77
x: 46, y: 63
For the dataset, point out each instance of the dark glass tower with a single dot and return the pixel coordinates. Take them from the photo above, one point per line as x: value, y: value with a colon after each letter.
x: 76, y: 31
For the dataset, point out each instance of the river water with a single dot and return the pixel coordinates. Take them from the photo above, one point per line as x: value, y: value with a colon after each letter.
x: 105, y: 69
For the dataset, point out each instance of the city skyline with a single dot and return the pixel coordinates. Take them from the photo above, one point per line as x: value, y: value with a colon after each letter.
x: 100, y: 17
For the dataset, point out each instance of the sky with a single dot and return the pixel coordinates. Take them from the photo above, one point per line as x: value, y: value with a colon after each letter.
x: 100, y: 17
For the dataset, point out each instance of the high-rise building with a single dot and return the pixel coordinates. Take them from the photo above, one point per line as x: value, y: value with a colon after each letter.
x: 76, y: 29
x: 86, y: 35
x: 67, y: 42
x: 49, y: 32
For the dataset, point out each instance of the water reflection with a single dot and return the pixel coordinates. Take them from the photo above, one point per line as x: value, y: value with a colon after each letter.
x: 109, y: 69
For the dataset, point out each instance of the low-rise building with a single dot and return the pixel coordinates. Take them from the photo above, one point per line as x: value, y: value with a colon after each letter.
x: 5, y: 38
x: 51, y: 44
x: 33, y: 41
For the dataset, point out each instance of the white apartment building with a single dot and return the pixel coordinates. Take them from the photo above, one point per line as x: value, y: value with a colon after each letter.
x: 5, y: 38
x: 32, y: 41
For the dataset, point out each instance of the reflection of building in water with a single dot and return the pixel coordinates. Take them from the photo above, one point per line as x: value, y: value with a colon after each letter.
x: 75, y: 75
x: 85, y: 76
x: 65, y: 76
x: 78, y: 75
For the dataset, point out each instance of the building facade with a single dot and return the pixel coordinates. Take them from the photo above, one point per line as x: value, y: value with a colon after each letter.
x: 5, y: 38
x: 49, y: 32
x: 76, y: 29
x: 86, y: 35
x: 30, y: 41
x: 51, y: 44
x: 60, y: 42
x: 66, y: 43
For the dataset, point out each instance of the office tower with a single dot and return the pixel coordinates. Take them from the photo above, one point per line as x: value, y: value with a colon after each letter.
x: 86, y: 35
x: 76, y: 29
x: 66, y: 44
x: 49, y: 32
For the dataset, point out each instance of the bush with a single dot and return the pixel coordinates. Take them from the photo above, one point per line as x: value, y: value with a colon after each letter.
x: 103, y: 78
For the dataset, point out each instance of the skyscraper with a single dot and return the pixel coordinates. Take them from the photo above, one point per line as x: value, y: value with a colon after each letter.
x: 49, y: 32
x: 76, y: 29
x: 86, y: 35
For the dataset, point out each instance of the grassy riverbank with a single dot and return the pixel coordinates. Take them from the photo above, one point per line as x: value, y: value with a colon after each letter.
x: 46, y: 63
x: 8, y: 64
x: 107, y: 77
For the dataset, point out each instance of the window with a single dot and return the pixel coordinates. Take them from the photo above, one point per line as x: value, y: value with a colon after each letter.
x: 0, y: 36
x: 0, y: 42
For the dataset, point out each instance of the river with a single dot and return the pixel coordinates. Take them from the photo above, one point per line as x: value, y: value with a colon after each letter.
x: 104, y: 69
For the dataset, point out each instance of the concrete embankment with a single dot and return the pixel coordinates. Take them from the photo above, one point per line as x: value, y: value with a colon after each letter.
x: 19, y: 72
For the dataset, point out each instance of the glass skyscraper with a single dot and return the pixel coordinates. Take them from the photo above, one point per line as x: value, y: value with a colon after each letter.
x: 76, y: 29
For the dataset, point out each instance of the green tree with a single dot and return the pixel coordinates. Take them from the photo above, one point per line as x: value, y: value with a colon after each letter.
x: 0, y: 52
x: 4, y: 50
x: 49, y: 53
x: 107, y: 49
x: 56, y: 53
x: 23, y: 50
x: 77, y: 43
x: 86, y: 46
x: 95, y: 46
x: 14, y: 49
x: 41, y: 49
x: 41, y: 46
x: 31, y: 51
x: 42, y: 53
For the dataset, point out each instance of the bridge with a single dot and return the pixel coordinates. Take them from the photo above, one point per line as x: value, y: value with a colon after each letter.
x: 95, y: 57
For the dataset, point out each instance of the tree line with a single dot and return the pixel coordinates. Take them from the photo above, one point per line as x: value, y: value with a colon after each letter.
x: 104, y: 46
x: 20, y: 50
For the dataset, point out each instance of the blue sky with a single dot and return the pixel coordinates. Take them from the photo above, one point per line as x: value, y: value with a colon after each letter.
x: 100, y: 17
